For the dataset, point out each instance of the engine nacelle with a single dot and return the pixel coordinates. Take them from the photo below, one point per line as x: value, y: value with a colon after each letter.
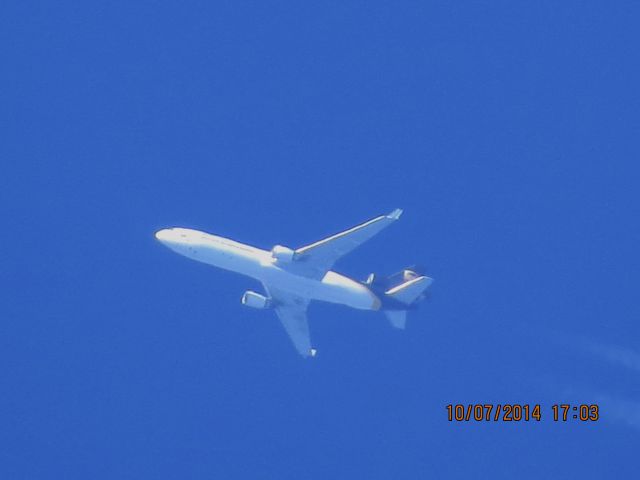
x: 282, y: 254
x: 409, y: 275
x: 255, y: 300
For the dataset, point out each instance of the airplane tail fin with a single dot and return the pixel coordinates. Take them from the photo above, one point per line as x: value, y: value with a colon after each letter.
x: 397, y: 318
x: 406, y: 294
x: 400, y: 292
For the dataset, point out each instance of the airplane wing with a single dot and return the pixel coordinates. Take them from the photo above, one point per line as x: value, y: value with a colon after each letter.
x: 316, y: 259
x: 292, y: 312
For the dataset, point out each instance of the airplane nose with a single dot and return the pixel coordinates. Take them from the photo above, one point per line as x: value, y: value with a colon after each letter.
x: 163, y: 235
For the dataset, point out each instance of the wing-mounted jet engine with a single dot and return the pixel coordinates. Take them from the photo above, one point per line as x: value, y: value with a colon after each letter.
x: 282, y: 254
x: 255, y: 300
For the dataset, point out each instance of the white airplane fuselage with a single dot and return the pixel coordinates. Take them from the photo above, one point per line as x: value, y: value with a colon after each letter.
x: 261, y: 265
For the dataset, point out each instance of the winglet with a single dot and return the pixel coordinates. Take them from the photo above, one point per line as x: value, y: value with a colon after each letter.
x: 395, y: 214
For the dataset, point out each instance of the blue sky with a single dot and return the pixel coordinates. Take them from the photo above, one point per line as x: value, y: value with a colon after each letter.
x: 508, y: 131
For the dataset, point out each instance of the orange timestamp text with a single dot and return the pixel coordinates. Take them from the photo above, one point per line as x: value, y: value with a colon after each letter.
x: 518, y: 412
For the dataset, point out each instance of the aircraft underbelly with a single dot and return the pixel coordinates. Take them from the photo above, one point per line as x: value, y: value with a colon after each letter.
x: 227, y: 259
x: 333, y: 288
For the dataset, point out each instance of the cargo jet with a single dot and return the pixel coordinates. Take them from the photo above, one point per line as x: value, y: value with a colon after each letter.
x: 292, y: 278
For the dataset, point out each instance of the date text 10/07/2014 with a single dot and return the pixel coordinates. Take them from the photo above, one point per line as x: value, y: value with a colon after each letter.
x: 517, y: 412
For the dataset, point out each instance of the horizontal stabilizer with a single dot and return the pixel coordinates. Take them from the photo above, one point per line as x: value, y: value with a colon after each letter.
x: 409, y: 292
x: 397, y: 318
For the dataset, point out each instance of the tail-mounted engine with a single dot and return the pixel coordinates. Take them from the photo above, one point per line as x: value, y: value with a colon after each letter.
x: 255, y: 300
x: 282, y: 254
x: 382, y: 283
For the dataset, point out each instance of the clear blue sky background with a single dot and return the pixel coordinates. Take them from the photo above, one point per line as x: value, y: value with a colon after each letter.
x: 507, y: 131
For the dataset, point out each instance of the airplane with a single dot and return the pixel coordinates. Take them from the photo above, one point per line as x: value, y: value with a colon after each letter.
x: 292, y: 278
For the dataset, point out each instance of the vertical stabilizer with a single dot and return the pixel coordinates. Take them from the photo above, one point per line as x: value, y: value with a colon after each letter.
x: 397, y: 318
